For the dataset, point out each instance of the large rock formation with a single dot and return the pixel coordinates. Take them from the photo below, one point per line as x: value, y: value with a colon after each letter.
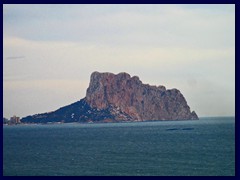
x: 114, y: 98
x: 130, y: 99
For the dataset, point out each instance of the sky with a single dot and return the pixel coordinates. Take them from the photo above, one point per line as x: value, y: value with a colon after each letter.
x: 50, y: 51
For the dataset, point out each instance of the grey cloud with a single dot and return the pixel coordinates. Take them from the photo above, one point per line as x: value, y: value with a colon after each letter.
x: 15, y: 57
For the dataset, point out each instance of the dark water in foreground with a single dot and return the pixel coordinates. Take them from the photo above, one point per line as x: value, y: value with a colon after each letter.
x: 169, y: 148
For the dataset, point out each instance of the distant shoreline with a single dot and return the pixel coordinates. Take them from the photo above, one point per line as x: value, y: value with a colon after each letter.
x: 102, y: 122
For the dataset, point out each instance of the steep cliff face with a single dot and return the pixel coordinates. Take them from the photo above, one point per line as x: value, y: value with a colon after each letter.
x: 114, y: 98
x: 130, y: 99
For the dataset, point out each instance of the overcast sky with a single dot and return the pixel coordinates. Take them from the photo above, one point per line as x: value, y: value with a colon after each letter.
x: 50, y: 51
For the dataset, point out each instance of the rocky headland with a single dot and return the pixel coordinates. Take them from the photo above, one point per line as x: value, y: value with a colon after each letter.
x: 120, y: 97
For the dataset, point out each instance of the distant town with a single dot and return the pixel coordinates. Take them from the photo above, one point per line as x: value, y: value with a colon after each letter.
x: 12, y: 121
x: 15, y: 120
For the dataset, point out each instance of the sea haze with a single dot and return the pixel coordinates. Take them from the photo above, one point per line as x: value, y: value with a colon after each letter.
x: 164, y: 148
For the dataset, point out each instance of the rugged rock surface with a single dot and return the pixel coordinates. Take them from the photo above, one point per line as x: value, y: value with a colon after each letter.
x: 130, y: 99
x: 121, y: 97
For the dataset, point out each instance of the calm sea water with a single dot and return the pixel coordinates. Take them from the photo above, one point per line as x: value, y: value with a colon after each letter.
x: 169, y: 148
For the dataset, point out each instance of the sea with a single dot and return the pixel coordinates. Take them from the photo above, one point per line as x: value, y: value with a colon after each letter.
x: 204, y: 147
